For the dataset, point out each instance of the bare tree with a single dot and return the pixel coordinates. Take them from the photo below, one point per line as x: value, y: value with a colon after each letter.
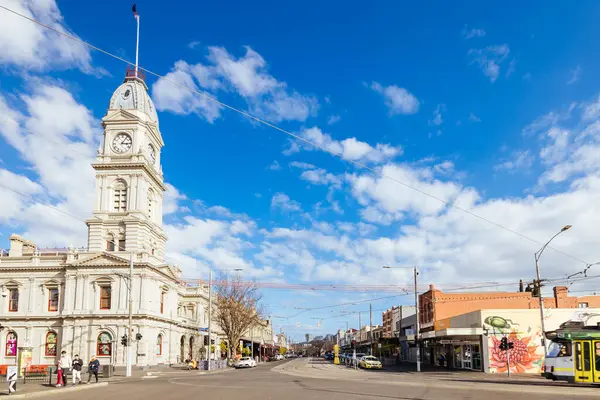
x: 316, y: 347
x: 236, y: 308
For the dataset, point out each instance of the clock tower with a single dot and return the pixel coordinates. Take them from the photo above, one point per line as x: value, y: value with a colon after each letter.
x: 127, y: 212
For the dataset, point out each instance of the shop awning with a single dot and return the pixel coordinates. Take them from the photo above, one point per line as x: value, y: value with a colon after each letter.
x: 452, y: 332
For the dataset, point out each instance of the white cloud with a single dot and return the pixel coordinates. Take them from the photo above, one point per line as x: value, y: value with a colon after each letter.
x: 194, y: 44
x: 397, y: 99
x: 333, y: 119
x: 56, y: 137
x: 168, y: 96
x: 520, y: 160
x: 472, y: 33
x: 390, y: 197
x: 575, y: 75
x: 302, y: 165
x: 275, y: 166
x: 592, y: 110
x: 171, y: 199
x: 25, y: 44
x: 321, y: 177
x: 437, y: 119
x: 350, y: 148
x: 490, y: 59
x: 474, y: 118
x: 283, y: 202
x: 247, y: 76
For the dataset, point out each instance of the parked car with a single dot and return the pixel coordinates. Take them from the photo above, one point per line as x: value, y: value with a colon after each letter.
x: 369, y: 362
x: 245, y: 362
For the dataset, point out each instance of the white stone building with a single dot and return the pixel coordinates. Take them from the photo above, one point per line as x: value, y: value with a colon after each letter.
x: 77, y: 299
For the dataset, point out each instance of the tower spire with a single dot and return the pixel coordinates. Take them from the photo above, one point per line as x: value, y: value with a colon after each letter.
x: 137, y: 41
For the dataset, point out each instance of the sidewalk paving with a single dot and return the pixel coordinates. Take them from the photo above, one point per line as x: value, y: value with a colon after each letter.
x: 31, y: 390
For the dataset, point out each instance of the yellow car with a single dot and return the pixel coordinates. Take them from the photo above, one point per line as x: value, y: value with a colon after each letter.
x: 369, y: 362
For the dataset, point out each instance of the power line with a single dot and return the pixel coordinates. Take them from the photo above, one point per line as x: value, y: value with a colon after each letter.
x: 295, y: 136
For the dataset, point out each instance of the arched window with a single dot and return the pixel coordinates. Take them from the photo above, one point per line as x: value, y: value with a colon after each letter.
x: 104, y: 345
x: 191, y: 349
x: 150, y: 203
x: 11, y: 344
x: 50, y: 344
x: 159, y: 345
x: 110, y: 243
x: 120, y: 196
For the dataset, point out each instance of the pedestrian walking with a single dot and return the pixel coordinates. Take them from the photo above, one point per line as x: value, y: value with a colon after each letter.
x: 64, y: 365
x: 93, y: 368
x: 77, y: 365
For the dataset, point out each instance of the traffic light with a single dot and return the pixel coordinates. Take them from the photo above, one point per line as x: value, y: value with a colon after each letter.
x: 504, y: 343
x: 138, y: 336
x: 206, y: 340
x: 124, y: 340
x: 511, y: 345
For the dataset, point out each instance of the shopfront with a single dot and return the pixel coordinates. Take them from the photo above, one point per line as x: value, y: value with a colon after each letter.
x: 454, y: 348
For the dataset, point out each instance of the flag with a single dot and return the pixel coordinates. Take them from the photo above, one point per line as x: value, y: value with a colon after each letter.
x: 135, y: 13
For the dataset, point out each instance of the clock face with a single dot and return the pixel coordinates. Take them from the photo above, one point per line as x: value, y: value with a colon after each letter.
x: 152, y: 153
x: 121, y: 143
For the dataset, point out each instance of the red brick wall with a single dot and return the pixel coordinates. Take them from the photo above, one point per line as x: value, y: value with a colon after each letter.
x: 434, y: 305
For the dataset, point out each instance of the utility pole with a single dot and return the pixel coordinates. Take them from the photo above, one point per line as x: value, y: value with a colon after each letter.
x: 129, y: 333
x: 416, y: 273
x: 209, y: 314
x: 359, y: 328
x: 370, y: 329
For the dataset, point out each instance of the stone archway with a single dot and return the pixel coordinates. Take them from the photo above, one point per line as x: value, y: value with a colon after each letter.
x: 191, y: 351
x: 182, y: 349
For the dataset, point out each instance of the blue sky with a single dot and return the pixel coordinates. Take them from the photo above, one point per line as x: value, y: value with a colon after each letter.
x: 490, y: 107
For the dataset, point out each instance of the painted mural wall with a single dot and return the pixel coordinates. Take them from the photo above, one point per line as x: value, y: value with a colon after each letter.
x: 523, y: 329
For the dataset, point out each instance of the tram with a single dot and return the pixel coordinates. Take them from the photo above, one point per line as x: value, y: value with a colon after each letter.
x: 574, y: 353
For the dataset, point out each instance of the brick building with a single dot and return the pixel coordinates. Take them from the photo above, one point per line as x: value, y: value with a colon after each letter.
x: 463, y: 330
x: 388, y: 316
x: 435, y: 305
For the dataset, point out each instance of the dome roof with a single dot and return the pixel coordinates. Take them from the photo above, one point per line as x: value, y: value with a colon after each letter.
x: 133, y: 95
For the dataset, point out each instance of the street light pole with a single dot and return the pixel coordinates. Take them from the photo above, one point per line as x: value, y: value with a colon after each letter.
x: 537, y: 255
x: 129, y: 333
x: 209, y: 315
x: 417, y: 325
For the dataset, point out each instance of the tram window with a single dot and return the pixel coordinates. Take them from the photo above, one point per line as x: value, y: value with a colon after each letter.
x: 565, y: 350
x: 578, y: 358
x: 586, y: 357
x: 597, y: 344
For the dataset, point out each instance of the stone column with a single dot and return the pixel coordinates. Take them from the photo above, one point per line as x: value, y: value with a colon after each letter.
x: 142, y: 305
x: 68, y: 295
x: 84, y: 285
x: 31, y: 294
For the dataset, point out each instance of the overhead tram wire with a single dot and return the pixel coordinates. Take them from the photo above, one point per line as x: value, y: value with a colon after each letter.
x: 295, y: 136
x: 309, y: 286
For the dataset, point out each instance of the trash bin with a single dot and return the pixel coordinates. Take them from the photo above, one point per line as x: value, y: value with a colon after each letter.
x: 107, y: 371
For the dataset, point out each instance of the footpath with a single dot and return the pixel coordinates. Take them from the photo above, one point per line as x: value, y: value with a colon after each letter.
x: 322, y: 369
x: 33, y: 390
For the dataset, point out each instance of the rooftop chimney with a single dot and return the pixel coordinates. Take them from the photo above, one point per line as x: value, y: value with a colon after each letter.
x: 16, y: 246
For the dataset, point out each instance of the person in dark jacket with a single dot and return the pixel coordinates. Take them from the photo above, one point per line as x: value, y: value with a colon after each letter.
x: 77, y: 365
x: 93, y: 368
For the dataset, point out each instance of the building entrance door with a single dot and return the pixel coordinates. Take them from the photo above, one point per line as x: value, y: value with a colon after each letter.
x: 467, y: 354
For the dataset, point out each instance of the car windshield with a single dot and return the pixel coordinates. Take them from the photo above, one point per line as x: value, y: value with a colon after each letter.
x: 370, y: 358
x: 245, y: 358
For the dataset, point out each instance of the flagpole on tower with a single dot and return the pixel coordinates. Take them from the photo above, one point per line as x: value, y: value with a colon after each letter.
x: 137, y: 41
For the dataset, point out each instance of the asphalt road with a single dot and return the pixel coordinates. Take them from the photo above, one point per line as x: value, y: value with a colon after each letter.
x: 264, y: 383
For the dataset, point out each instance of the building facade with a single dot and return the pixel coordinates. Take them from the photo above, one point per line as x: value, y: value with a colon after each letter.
x: 77, y: 299
x: 466, y: 328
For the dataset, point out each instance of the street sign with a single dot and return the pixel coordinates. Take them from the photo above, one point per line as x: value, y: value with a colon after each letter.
x: 11, y: 373
x: 203, y: 329
x: 11, y: 378
x: 379, y: 345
